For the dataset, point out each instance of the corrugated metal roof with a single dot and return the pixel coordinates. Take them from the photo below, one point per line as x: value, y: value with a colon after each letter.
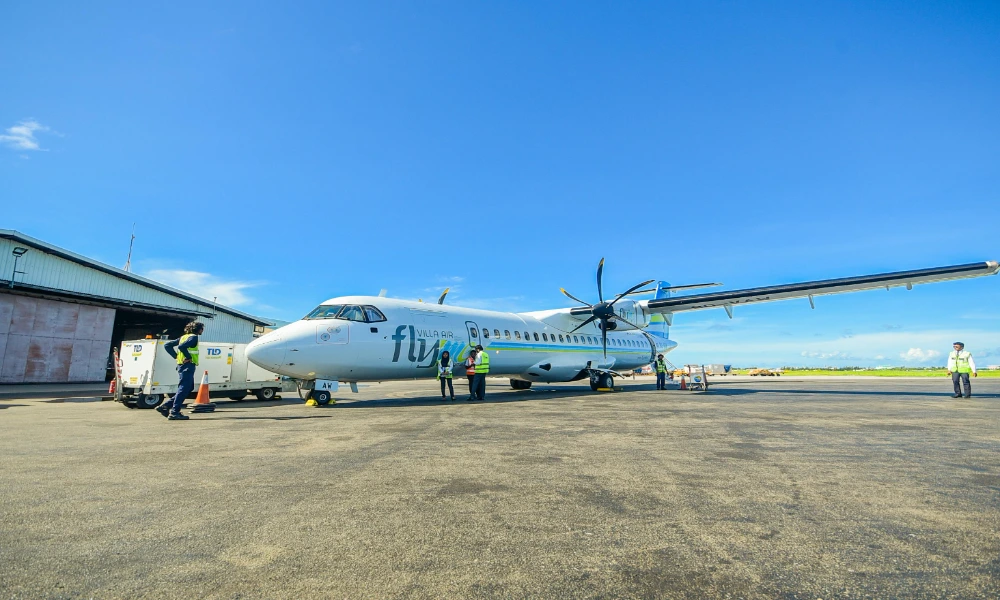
x: 122, y: 274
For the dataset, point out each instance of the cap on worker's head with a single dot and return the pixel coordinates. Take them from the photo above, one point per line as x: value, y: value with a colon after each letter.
x: 659, y: 356
x: 479, y: 346
x: 959, y: 344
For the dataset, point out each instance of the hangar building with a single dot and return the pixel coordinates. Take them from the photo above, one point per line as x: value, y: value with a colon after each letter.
x: 61, y: 314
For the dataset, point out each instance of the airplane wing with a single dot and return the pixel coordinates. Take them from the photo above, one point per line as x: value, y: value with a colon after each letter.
x: 809, y: 289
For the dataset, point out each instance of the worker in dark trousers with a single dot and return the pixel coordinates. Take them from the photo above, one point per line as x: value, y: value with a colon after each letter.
x: 186, y: 354
x: 482, y: 370
x: 470, y: 372
x: 661, y: 372
x: 960, y: 366
x: 444, y: 368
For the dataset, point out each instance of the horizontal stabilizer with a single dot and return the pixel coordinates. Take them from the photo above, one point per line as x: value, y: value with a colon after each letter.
x: 674, y: 288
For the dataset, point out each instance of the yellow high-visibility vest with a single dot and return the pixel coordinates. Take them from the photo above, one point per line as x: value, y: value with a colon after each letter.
x: 484, y: 364
x: 961, y: 361
x: 193, y: 350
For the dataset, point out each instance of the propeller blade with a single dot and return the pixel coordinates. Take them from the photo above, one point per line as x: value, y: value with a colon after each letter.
x: 600, y: 272
x: 632, y: 289
x: 587, y: 322
x: 573, y: 297
x: 604, y: 340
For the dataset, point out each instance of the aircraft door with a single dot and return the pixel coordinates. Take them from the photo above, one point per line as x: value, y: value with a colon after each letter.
x: 473, y: 331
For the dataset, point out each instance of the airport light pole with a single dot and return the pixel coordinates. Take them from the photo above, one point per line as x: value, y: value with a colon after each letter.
x: 18, y: 252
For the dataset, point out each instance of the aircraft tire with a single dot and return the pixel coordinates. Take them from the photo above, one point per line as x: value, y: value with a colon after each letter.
x: 607, y: 381
x: 517, y: 384
x: 322, y: 398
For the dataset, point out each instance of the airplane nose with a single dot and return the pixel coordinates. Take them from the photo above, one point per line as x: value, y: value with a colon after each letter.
x: 268, y: 351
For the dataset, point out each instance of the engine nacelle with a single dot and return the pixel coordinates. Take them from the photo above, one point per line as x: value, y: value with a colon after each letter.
x: 629, y: 310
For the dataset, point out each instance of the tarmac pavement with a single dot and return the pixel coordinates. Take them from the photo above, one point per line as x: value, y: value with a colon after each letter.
x: 761, y: 488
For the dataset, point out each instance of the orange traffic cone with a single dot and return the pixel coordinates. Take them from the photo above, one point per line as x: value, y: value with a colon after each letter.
x: 201, y: 402
x: 683, y: 383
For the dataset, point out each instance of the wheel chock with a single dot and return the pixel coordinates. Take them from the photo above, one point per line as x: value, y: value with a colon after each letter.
x: 312, y: 402
x: 605, y: 389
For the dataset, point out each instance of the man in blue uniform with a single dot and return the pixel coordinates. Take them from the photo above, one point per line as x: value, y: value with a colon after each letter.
x: 186, y: 354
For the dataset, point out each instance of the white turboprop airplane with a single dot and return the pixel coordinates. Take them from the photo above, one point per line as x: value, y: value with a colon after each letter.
x: 366, y: 338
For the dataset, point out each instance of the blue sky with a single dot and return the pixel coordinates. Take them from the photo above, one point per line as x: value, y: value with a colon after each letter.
x: 276, y: 156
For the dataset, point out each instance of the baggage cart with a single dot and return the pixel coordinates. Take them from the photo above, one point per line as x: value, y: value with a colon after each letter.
x: 146, y: 374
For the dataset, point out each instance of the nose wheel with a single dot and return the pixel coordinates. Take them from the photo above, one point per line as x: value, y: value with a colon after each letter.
x: 319, y: 397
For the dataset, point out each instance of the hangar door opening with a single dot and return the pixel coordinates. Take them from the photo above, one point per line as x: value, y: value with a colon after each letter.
x: 137, y: 325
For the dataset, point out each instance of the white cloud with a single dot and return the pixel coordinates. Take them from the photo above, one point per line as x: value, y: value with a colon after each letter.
x: 919, y: 355
x: 837, y: 355
x: 205, y: 285
x: 22, y: 135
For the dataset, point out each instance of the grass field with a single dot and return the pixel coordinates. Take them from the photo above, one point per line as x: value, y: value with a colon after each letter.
x: 874, y: 372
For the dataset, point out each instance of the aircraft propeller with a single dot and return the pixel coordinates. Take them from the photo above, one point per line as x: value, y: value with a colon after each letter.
x: 602, y: 311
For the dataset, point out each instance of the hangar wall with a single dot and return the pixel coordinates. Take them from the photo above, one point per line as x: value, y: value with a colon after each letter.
x: 61, y: 312
x: 47, y: 341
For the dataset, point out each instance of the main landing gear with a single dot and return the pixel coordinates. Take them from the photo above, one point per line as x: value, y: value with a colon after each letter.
x: 601, y: 380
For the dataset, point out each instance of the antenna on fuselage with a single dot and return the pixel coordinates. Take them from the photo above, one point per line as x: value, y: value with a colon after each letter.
x: 382, y: 293
x: 443, y: 294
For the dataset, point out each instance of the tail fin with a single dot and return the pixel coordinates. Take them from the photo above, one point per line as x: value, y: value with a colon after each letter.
x: 657, y: 324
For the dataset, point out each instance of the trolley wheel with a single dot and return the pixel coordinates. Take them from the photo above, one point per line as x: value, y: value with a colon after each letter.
x: 238, y: 397
x: 148, y: 401
x: 321, y: 397
x: 265, y: 393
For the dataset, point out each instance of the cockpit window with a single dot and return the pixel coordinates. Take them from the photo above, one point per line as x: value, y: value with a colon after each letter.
x: 325, y: 311
x: 373, y: 314
x: 352, y: 313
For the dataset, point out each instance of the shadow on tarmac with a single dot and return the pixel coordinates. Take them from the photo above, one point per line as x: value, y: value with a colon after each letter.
x: 3, y: 406
x: 748, y: 392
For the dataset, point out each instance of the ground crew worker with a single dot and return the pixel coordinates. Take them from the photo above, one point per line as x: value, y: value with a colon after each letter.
x: 960, y: 364
x: 186, y: 354
x: 444, y: 367
x: 482, y: 369
x: 470, y: 372
x: 661, y: 372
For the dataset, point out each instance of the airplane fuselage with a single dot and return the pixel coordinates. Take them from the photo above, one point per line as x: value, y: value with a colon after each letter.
x: 402, y: 339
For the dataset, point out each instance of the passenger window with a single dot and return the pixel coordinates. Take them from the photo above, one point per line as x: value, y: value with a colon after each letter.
x: 517, y: 335
x: 536, y: 336
x: 486, y: 333
x: 474, y: 333
x: 373, y: 315
x: 576, y: 340
x: 352, y: 313
x: 496, y: 333
x: 328, y: 311
x: 561, y: 340
x: 545, y: 337
x: 527, y: 336
x: 506, y: 334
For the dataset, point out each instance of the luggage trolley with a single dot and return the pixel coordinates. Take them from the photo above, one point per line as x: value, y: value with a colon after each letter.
x: 697, y: 377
